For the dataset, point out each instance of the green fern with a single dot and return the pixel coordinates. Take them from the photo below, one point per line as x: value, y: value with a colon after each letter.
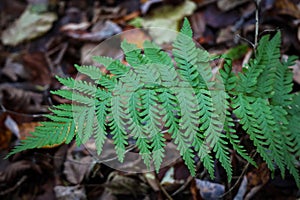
x: 156, y: 93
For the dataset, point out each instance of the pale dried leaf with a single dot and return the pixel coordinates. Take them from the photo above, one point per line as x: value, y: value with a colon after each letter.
x: 120, y: 184
x: 210, y: 190
x: 75, y: 170
x: 29, y: 26
x: 226, y: 5
x: 69, y: 193
x: 167, y: 17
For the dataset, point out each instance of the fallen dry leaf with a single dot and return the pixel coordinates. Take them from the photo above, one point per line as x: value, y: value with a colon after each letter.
x: 287, y: 7
x: 100, y: 31
x: 296, y: 71
x: 226, y: 5
x: 26, y: 128
x: 198, y: 24
x: 15, y: 99
x: 75, y: 170
x: 166, y: 18
x: 36, y: 65
x: 210, y: 190
x: 120, y: 184
x: 14, y: 70
x: 135, y: 36
x: 12, y: 125
x: 30, y: 25
x: 5, y: 138
x: 75, y: 27
x: 258, y: 176
x: 213, y: 15
x: 70, y: 192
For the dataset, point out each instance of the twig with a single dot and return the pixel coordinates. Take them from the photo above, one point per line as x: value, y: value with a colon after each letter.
x: 189, y: 179
x: 246, y: 40
x: 163, y: 190
x: 9, y: 190
x: 5, y: 110
x: 256, y: 24
x: 239, y: 179
x: 187, y: 182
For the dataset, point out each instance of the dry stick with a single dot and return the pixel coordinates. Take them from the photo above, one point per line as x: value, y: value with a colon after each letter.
x: 189, y: 179
x: 239, y: 179
x: 187, y: 182
x: 5, y: 110
x: 257, y: 2
x: 9, y: 190
x: 164, y: 191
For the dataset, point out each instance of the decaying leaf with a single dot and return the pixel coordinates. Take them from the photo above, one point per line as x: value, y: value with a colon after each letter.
x: 17, y: 99
x: 101, y: 31
x: 135, y: 36
x: 167, y: 17
x: 121, y: 184
x: 70, y: 193
x: 287, y: 7
x: 169, y: 177
x: 296, y: 70
x: 36, y: 65
x: 16, y: 169
x: 13, y: 70
x: 5, y: 133
x: 210, y: 190
x: 26, y: 128
x: 218, y: 19
x: 75, y: 170
x: 226, y: 5
x: 29, y: 26
x: 242, y: 189
x: 12, y: 125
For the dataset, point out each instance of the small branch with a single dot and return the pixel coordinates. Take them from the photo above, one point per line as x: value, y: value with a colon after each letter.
x: 164, y: 191
x: 5, y: 110
x: 187, y: 182
x: 9, y: 190
x: 257, y: 2
x: 238, y: 180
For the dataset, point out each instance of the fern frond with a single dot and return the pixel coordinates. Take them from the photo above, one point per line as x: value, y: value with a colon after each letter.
x: 158, y: 144
x: 231, y: 132
x: 101, y: 112
x: 186, y: 56
x: 135, y: 127
x: 188, y: 129
x: 164, y: 65
x: 283, y: 83
x: 87, y: 88
x: 114, y: 66
x: 294, y: 120
x: 268, y: 54
x: 47, y: 134
x: 186, y: 28
x: 117, y: 121
x: 149, y: 115
x: 243, y: 109
x: 91, y: 71
x: 75, y: 96
x: 214, y: 134
x: 133, y: 54
x: 170, y: 105
x: 247, y: 82
x: 152, y: 93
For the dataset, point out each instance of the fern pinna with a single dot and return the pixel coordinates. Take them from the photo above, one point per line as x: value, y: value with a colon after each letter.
x: 153, y: 93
